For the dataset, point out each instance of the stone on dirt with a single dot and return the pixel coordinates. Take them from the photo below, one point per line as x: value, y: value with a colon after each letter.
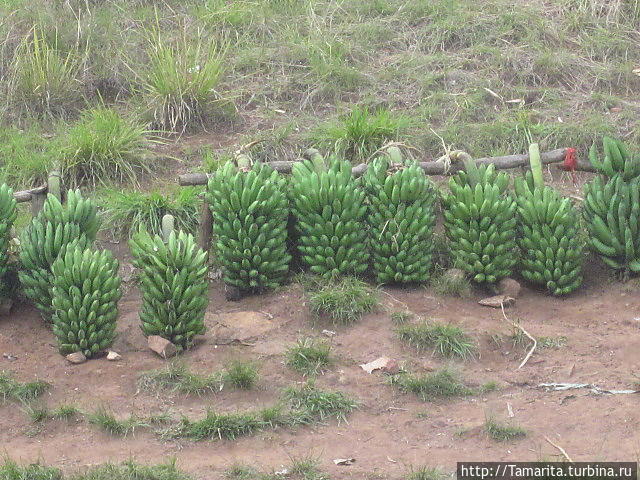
x: 161, y: 346
x: 497, y: 301
x: 113, y: 356
x: 238, y: 327
x: 384, y: 364
x: 509, y: 287
x: 76, y: 358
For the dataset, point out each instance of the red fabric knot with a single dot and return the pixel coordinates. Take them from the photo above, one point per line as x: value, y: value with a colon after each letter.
x: 570, y: 160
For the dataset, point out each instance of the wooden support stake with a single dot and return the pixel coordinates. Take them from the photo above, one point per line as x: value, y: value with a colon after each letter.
x: 205, y: 230
x: 37, y: 202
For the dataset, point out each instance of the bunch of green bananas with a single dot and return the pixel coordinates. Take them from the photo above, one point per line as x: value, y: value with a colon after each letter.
x: 330, y: 217
x: 612, y: 213
x: 250, y: 212
x: 173, y: 284
x: 46, y: 237
x: 550, y: 246
x: 86, y: 290
x: 8, y: 214
x: 617, y: 159
x: 480, y: 223
x: 401, y: 218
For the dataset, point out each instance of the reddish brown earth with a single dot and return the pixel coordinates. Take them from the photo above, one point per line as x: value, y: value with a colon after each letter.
x: 391, y: 430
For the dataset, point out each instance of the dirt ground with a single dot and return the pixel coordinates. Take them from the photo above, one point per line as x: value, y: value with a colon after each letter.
x: 391, y: 430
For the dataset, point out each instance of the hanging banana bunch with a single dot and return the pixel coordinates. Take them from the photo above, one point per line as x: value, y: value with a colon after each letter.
x: 612, y: 213
x: 617, y: 159
x: 86, y: 290
x: 548, y: 237
x: 173, y: 284
x: 250, y: 213
x: 8, y: 214
x: 401, y: 201
x: 330, y: 217
x: 480, y: 222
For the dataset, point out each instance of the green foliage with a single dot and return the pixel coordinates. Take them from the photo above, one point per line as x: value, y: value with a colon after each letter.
x: 550, y: 247
x: 401, y: 219
x: 361, y: 132
x: 48, y: 236
x: 177, y: 377
x: 250, y: 213
x: 241, y: 374
x: 8, y: 214
x: 174, y: 286
x: 343, y: 300
x: 11, y: 389
x: 425, y: 473
x: 26, y: 157
x: 309, y: 356
x: 503, y: 432
x: 448, y: 284
x: 43, y: 79
x: 330, y: 217
x: 104, y: 146
x: 445, y: 339
x: 444, y: 383
x: 480, y: 222
x: 320, y: 403
x: 126, y: 211
x: 10, y: 470
x: 612, y: 213
x: 86, y: 290
x: 181, y: 80
x: 113, y: 426
x: 617, y: 159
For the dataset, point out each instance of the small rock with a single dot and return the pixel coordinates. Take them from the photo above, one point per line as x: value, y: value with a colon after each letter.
x: 8, y: 356
x: 328, y: 333
x: 454, y: 274
x: 384, y: 364
x: 161, y: 346
x: 232, y: 294
x: 497, y: 301
x: 113, y: 356
x: 76, y: 358
x: 509, y: 287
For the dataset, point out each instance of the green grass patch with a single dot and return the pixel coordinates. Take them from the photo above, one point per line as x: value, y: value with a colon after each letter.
x: 309, y: 357
x: 240, y: 374
x: 425, y: 473
x: 177, y: 377
x: 442, y: 384
x: 445, y: 339
x: 320, y: 403
x: 125, y: 211
x: 502, y: 432
x: 11, y: 389
x: 116, y: 427
x: 26, y: 157
x: 10, y: 470
x: 449, y: 284
x: 343, y: 301
x: 400, y: 318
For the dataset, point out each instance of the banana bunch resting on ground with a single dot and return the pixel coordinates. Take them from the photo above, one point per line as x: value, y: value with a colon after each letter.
x: 86, y: 290
x: 401, y: 202
x: 8, y: 214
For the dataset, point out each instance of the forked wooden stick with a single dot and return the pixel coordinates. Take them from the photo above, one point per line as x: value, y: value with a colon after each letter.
x: 562, y: 451
x: 535, y: 342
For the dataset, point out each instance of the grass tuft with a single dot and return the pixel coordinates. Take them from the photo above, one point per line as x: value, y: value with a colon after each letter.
x: 240, y: 471
x: 502, y: 432
x: 445, y: 339
x: 125, y: 211
x: 104, y: 146
x: 400, y: 318
x: 119, y: 428
x: 177, y: 377
x: 444, y: 383
x: 227, y: 426
x: 241, y: 374
x: 344, y: 301
x: 319, y: 403
x: 11, y: 389
x: 10, y: 470
x: 309, y: 357
x: 451, y: 285
x: 134, y: 471
x: 425, y: 473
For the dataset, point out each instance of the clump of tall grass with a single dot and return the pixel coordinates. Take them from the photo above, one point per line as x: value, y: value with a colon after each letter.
x: 126, y: 210
x: 26, y: 157
x: 104, y: 146
x: 361, y: 132
x: 342, y: 300
x: 181, y: 81
x: 43, y: 79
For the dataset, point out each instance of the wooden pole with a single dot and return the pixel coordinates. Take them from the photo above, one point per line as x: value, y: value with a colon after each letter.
x: 430, y: 168
x: 205, y: 230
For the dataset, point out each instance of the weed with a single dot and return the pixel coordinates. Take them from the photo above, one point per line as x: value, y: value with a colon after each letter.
x: 240, y: 374
x: 11, y: 389
x: 552, y: 342
x: 306, y: 468
x: 445, y: 339
x: 103, y: 146
x: 425, y: 473
x: 180, y: 86
x: 344, y: 301
x: 110, y: 424
x: 451, y: 284
x: 444, y: 383
x: 177, y: 377
x: 362, y: 132
x: 309, y: 357
x: 214, y: 425
x: 26, y: 157
x: 37, y: 413
x: 489, y: 387
x: 240, y: 471
x: 125, y: 211
x: 43, y: 79
x: 133, y: 471
x: 502, y: 432
x: 400, y: 318
x: 10, y: 470
x: 319, y: 403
